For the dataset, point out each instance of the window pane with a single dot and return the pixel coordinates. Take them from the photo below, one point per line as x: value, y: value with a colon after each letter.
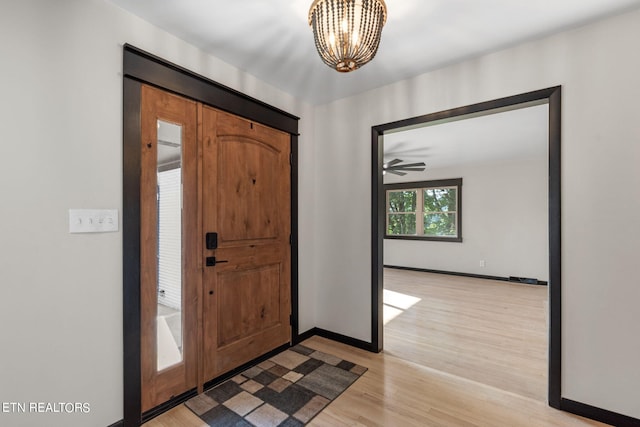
x: 402, y: 201
x: 170, y: 251
x: 440, y: 200
x: 402, y: 224
x: 443, y: 224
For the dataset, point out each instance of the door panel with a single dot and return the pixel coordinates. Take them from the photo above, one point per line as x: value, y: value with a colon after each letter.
x: 258, y: 287
x: 246, y: 200
x: 241, y: 161
x: 169, y: 280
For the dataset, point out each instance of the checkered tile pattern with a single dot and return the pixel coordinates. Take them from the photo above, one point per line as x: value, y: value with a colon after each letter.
x: 287, y: 390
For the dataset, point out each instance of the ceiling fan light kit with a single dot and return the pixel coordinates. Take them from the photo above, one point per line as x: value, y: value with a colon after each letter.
x: 347, y: 32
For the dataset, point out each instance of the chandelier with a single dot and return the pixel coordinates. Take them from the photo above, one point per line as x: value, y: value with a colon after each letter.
x: 347, y: 32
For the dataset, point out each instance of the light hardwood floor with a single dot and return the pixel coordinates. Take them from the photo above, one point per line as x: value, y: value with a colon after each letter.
x: 489, y: 331
x: 412, y: 383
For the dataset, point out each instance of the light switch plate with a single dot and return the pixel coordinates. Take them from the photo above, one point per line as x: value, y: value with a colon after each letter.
x: 93, y: 220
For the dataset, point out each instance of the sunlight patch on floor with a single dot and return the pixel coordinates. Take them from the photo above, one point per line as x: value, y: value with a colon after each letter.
x: 395, y: 304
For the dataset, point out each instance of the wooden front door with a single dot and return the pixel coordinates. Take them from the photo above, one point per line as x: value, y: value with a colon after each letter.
x: 215, y: 218
x: 246, y: 189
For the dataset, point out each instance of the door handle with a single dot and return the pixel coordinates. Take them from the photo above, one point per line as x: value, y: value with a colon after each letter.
x: 211, y: 261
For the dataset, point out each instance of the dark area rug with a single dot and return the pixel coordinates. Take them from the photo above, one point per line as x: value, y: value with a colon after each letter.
x: 286, y: 390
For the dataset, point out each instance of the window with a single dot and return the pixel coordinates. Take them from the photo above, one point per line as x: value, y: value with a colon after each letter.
x: 426, y: 210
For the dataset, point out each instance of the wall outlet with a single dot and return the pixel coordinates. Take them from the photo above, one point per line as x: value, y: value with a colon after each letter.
x: 93, y: 220
x: 483, y: 263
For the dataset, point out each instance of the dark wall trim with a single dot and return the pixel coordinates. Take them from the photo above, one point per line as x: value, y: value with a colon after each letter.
x: 537, y: 97
x: 378, y: 208
x: 555, y: 249
x: 131, y: 252
x: 550, y: 96
x: 353, y: 342
x: 146, y: 67
x: 305, y: 335
x: 117, y: 424
x: 294, y: 238
x: 142, y: 67
x: 598, y: 414
x: 455, y: 273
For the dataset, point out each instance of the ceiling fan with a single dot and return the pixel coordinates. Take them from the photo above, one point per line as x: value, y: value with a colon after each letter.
x: 396, y: 167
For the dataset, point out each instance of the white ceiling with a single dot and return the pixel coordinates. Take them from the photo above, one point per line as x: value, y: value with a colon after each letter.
x: 505, y: 136
x: 271, y: 39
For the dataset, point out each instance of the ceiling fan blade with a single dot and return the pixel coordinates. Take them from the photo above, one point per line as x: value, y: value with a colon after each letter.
x: 396, y: 172
x: 407, y: 165
x: 407, y: 169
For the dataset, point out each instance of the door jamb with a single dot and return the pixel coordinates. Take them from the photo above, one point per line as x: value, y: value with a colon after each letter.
x: 142, y: 67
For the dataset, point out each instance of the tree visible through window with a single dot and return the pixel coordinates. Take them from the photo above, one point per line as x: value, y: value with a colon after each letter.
x: 402, y: 211
x: 428, y: 210
x: 440, y: 211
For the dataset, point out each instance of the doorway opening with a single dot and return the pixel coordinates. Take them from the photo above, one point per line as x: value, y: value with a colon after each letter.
x: 380, y: 208
x: 473, y: 322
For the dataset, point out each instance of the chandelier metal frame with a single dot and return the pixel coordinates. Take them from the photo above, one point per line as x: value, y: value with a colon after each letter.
x: 347, y: 32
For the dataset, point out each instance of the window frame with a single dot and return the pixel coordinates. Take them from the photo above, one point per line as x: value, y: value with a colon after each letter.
x: 420, y: 187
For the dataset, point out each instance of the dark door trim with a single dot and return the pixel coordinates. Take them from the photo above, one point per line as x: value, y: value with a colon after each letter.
x: 146, y: 67
x: 552, y: 97
x: 142, y: 67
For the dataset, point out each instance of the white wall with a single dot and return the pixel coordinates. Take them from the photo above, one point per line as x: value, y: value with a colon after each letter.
x: 504, y: 222
x: 598, y: 67
x: 61, y: 124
